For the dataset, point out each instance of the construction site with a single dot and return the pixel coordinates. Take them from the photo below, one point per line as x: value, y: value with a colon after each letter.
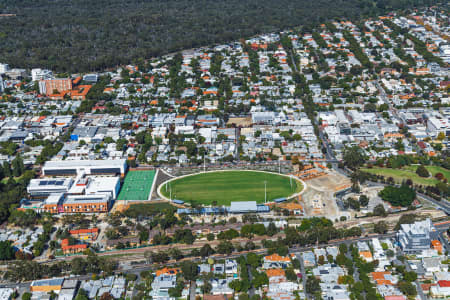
x: 321, y: 186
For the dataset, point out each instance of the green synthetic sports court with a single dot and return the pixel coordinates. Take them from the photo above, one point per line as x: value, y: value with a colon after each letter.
x: 137, y: 185
x: 223, y: 187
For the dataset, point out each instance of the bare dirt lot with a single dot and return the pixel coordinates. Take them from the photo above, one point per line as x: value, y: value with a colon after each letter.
x: 318, y: 198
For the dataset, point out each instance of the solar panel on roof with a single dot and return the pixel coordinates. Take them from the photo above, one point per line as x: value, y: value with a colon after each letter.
x: 60, y: 183
x: 43, y: 183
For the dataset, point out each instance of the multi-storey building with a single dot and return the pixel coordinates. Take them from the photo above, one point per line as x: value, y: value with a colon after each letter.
x: 413, y: 238
x: 48, y: 87
x: 40, y: 74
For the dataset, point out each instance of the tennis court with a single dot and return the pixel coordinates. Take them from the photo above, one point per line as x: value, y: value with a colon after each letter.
x: 137, y: 185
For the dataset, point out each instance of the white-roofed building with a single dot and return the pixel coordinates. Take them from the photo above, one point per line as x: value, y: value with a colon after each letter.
x: 89, y: 167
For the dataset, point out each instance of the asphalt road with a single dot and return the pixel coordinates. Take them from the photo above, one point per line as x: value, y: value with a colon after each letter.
x: 302, y: 270
x: 416, y: 282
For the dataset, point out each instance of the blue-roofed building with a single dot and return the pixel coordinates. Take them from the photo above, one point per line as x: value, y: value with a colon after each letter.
x: 261, y: 208
x: 90, y: 77
x: 183, y: 211
x: 46, y: 285
x: 279, y: 200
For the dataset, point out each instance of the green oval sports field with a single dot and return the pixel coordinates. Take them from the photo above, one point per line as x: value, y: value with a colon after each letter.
x: 223, y: 187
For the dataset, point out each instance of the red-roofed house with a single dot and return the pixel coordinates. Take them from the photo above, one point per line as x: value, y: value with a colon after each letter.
x: 85, y: 234
x: 74, y: 248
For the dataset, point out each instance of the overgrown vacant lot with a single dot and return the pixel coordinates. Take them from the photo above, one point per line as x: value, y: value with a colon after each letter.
x: 224, y: 187
x: 148, y: 209
x: 409, y: 172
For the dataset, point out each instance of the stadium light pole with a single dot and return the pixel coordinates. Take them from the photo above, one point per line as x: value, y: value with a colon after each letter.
x: 265, y: 191
x: 204, y: 162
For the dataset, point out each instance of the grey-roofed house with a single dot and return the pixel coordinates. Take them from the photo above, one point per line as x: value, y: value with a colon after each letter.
x: 66, y: 294
x: 309, y: 259
x: 18, y: 135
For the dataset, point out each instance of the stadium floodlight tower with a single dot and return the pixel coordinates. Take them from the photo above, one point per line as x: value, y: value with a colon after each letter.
x: 265, y: 191
x: 204, y: 162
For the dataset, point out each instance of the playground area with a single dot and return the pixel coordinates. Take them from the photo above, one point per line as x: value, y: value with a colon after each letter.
x: 137, y: 185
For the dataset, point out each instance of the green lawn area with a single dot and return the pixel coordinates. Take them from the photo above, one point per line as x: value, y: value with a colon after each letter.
x: 225, y: 187
x: 137, y: 185
x: 409, y: 172
x: 432, y: 169
x: 5, y: 180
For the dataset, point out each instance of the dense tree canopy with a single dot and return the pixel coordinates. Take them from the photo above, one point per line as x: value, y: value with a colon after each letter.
x: 398, y: 196
x: 353, y: 157
x: 92, y: 35
x: 6, y: 250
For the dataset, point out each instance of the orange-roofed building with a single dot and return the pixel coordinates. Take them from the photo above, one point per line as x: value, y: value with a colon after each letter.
x: 426, y: 286
x: 275, y: 273
x: 167, y: 271
x: 76, y: 80
x: 58, y: 96
x: 276, y: 258
x: 436, y: 245
x: 210, y: 92
x: 381, y: 278
x: 367, y: 255
x: 85, y: 234
x: 41, y: 118
x: 64, y: 242
x: 74, y: 248
x: 47, y: 87
x: 81, y: 92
